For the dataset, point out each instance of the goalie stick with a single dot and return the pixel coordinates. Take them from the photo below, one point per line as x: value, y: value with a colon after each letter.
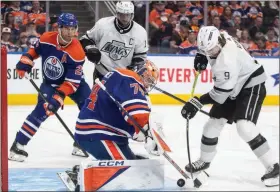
x: 161, y: 142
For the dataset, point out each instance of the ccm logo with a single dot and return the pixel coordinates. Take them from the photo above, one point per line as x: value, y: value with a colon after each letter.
x: 110, y: 163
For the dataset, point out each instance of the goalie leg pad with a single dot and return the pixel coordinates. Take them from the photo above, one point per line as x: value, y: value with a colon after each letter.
x: 121, y: 175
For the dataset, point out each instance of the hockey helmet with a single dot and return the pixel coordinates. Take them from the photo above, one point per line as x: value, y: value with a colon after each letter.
x: 149, y: 73
x: 67, y: 19
x: 125, y: 12
x: 208, y: 40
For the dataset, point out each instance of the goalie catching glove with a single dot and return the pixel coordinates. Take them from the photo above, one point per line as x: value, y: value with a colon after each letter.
x: 191, y: 108
x: 150, y: 145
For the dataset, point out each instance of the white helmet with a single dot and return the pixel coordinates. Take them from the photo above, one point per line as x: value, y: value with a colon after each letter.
x: 125, y: 13
x: 208, y: 40
x: 125, y: 7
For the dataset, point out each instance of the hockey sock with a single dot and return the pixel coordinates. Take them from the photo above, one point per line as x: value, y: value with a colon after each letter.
x: 28, y: 130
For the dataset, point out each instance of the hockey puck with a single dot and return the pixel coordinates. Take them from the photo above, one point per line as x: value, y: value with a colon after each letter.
x: 181, y: 182
x: 197, y: 183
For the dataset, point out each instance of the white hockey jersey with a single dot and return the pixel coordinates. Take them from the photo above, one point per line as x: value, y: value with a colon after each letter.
x: 117, y: 46
x: 232, y: 70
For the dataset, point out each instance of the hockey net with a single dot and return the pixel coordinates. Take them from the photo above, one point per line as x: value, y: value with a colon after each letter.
x: 3, y: 123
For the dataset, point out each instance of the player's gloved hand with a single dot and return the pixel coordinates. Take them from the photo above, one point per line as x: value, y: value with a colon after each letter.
x: 92, y: 53
x: 191, y: 108
x: 139, y: 136
x: 54, y: 103
x: 200, y: 62
x: 24, y: 66
x: 151, y: 146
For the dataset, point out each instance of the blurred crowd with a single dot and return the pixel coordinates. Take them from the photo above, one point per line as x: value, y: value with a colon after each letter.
x: 173, y: 25
x: 22, y: 22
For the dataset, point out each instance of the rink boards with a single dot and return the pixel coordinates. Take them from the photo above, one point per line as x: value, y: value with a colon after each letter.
x: 176, y: 76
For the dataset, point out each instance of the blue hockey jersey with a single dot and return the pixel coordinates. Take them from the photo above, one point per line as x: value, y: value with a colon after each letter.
x: 61, y: 66
x: 101, y: 119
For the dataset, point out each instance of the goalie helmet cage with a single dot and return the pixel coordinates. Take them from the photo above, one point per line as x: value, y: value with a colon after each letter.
x: 3, y: 123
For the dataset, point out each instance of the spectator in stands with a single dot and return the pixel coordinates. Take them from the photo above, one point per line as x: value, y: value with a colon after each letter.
x: 10, y: 22
x: 236, y: 9
x: 260, y: 48
x: 258, y: 27
x: 159, y: 14
x: 31, y: 29
x: 245, y: 39
x: 253, y: 10
x: 189, y: 46
x: 38, y: 16
x: 179, y: 36
x: 217, y: 22
x: 5, y: 40
x: 216, y: 6
x: 19, y: 14
x: 171, y: 5
x: 26, y: 6
x: 194, y: 23
x: 271, y: 38
x: 197, y: 10
x: 54, y: 27
x: 157, y: 17
x: 270, y: 10
x: 276, y: 25
x: 226, y: 18
x: 182, y: 12
x: 23, y: 42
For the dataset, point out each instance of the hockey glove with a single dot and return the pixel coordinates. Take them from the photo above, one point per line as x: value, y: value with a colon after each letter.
x: 24, y: 65
x: 191, y: 108
x: 200, y: 62
x: 92, y: 53
x: 54, y: 104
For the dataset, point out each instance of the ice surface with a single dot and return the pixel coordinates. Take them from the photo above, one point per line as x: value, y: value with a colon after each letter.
x: 234, y: 168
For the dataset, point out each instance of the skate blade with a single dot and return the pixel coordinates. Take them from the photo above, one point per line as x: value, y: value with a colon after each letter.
x: 273, y: 182
x: 78, y: 152
x: 16, y: 157
x: 66, y: 181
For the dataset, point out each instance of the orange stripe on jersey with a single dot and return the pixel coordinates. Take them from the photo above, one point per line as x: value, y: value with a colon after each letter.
x: 67, y: 88
x: 49, y: 37
x: 131, y: 74
x: 97, y: 127
x: 114, y: 151
x: 141, y: 119
x: 75, y: 50
x: 33, y: 53
x: 136, y: 106
x: 28, y: 129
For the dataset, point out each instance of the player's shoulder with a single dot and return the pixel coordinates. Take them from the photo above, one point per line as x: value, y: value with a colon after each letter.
x: 129, y: 75
x: 75, y: 50
x: 137, y: 27
x: 105, y: 20
x: 49, y: 37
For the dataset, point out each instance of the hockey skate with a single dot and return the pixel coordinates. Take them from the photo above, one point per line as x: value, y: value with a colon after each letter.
x: 70, y: 179
x: 17, y: 152
x: 77, y: 151
x: 197, y: 166
x: 271, y: 177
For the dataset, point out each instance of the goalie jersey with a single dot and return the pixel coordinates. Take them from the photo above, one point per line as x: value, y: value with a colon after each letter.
x: 233, y: 70
x: 101, y: 119
x: 118, y: 47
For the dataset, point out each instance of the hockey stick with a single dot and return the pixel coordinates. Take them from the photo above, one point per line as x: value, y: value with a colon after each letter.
x: 188, y: 121
x: 176, y: 98
x: 197, y: 183
x: 55, y: 113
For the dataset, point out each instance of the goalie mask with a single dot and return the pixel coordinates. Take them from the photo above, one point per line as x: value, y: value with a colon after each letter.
x: 149, y: 74
x: 124, y: 13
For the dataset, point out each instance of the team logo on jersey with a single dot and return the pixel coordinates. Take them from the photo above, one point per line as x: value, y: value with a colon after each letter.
x: 116, y: 50
x: 53, y: 68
